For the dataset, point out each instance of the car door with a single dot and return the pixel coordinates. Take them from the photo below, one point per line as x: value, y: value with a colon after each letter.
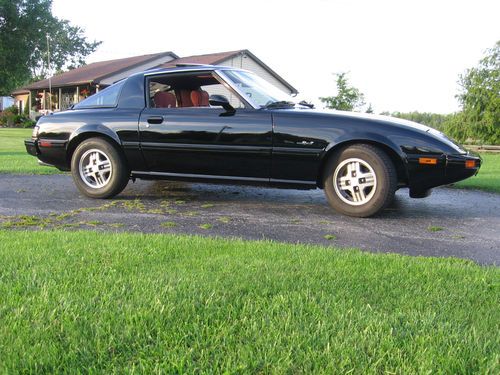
x: 203, y: 142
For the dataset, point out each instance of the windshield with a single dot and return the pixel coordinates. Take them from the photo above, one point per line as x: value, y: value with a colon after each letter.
x: 258, y: 90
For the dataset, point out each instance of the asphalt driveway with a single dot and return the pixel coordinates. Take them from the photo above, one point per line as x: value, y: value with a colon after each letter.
x: 451, y: 222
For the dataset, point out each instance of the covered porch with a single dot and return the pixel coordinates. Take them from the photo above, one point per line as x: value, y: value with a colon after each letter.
x: 42, y: 101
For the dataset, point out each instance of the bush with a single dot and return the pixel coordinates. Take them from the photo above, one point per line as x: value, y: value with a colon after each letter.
x: 434, y: 120
x: 11, y: 118
x: 13, y: 110
x: 466, y: 130
x: 28, y: 123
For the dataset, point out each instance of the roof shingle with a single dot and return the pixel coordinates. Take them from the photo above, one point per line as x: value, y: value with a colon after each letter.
x: 209, y: 59
x: 96, y: 71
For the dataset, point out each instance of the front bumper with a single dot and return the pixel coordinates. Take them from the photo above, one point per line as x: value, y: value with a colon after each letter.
x: 447, y: 170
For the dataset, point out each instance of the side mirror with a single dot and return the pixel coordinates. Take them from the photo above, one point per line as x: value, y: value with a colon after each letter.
x: 221, y: 101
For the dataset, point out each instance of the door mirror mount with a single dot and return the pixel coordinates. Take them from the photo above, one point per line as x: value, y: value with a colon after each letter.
x: 222, y: 101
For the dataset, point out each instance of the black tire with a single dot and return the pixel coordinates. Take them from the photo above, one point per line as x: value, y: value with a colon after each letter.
x: 349, y: 186
x: 99, y: 169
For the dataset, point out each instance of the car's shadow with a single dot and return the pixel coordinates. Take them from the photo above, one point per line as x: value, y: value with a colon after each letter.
x: 443, y: 202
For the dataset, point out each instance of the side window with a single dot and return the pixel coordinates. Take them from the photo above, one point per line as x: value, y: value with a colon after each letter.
x: 105, y: 98
x: 161, y: 95
x: 187, y: 90
x: 220, y: 89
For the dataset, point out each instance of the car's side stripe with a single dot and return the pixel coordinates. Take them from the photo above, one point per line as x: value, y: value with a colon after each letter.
x: 297, y: 151
x: 226, y: 148
x: 205, y: 147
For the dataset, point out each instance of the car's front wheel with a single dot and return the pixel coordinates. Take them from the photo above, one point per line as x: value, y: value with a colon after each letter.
x: 99, y: 169
x: 360, y: 180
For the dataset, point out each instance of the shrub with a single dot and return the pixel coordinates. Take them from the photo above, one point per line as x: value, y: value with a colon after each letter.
x: 11, y: 118
x: 13, y: 110
x: 464, y: 129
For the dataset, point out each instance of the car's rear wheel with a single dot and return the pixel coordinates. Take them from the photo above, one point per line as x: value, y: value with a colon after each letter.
x: 360, y: 180
x: 99, y: 169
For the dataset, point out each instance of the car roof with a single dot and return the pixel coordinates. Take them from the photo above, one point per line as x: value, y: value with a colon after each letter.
x: 186, y: 68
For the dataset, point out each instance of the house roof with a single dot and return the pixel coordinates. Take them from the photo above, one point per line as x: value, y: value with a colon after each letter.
x: 95, y: 72
x: 220, y: 57
x: 98, y: 71
x: 209, y: 59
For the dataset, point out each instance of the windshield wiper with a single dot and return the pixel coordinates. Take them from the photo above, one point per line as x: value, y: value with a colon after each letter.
x: 306, y: 104
x: 280, y: 104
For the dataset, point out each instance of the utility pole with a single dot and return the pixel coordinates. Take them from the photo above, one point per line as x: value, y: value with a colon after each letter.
x: 48, y: 70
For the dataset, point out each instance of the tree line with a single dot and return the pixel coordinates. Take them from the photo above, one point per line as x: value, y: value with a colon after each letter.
x: 478, y: 120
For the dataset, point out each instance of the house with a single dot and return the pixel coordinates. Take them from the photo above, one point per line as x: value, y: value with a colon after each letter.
x: 61, y: 91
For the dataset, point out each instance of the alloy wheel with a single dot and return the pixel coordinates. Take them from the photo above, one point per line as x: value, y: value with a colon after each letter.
x: 95, y: 168
x: 355, y: 181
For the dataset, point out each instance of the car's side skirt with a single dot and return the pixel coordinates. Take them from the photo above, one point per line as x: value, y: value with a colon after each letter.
x: 294, y: 184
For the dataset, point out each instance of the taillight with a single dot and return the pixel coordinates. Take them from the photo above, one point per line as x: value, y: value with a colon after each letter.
x: 34, y: 134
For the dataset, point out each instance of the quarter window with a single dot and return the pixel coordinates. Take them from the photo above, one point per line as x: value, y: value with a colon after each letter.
x: 105, y: 98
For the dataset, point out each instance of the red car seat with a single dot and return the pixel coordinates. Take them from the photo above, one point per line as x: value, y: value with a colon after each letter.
x: 199, y: 98
x: 164, y: 99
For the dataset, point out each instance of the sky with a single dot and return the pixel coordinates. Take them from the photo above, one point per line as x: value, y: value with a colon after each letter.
x: 403, y: 55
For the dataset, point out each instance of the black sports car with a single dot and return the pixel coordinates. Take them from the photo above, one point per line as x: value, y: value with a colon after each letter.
x: 214, y: 123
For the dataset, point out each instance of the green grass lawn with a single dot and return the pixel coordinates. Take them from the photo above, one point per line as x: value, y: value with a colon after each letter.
x: 488, y: 177
x: 13, y: 155
x: 103, y: 303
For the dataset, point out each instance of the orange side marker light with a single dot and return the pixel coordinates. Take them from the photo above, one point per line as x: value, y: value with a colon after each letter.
x: 470, y: 164
x: 430, y: 161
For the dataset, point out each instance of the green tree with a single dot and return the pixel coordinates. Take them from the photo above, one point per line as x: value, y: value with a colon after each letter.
x: 24, y: 28
x: 480, y: 99
x: 348, y: 98
x: 434, y: 120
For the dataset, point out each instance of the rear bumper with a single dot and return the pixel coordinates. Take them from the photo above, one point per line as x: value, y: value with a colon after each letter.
x: 48, y: 152
x: 31, y: 147
x: 447, y: 170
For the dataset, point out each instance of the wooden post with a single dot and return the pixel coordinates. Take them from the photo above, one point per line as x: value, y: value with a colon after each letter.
x: 60, y: 98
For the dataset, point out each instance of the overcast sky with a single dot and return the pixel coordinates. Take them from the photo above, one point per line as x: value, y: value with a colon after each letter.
x: 403, y: 55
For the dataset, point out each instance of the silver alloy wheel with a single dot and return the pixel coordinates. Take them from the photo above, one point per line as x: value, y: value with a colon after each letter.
x: 355, y: 181
x: 95, y: 168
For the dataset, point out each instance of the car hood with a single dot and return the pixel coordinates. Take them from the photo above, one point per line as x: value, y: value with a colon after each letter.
x: 369, y: 117
x: 386, y: 120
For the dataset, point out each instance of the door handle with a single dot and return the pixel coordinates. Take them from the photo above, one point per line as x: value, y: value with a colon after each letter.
x: 155, y: 120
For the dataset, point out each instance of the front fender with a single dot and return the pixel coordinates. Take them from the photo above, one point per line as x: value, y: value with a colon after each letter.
x: 397, y: 155
x: 366, y: 138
